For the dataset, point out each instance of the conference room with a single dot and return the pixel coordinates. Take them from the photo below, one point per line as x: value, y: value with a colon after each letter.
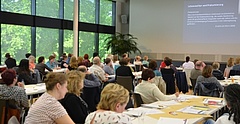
x: 204, y: 30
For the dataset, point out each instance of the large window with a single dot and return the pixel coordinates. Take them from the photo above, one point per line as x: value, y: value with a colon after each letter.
x: 46, y: 41
x: 47, y: 8
x: 68, y: 41
x: 102, y: 45
x: 87, y: 11
x: 16, y: 6
x: 105, y: 12
x: 68, y: 9
x: 15, y: 40
x: 86, y: 43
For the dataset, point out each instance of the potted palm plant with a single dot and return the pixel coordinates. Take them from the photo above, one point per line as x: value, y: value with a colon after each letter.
x: 122, y: 43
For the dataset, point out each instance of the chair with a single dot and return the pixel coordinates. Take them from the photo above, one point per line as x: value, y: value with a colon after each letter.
x: 92, y: 97
x: 126, y: 82
x: 170, y: 83
x: 8, y: 109
x: 137, y: 100
x: 13, y: 120
x: 234, y: 72
x: 207, y: 89
x: 193, y: 81
x: 138, y: 68
x: 181, y: 82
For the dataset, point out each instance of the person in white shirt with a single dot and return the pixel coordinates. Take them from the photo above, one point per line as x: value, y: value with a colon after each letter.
x: 232, y: 98
x: 188, y: 64
x: 97, y: 70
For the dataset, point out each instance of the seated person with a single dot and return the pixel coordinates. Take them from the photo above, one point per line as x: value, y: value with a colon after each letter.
x: 75, y: 106
x: 130, y: 64
x: 216, y: 72
x: 152, y: 94
x: 34, y: 71
x: 108, y: 67
x: 51, y: 63
x: 230, y: 64
x: 10, y: 91
x: 145, y: 61
x: 124, y: 70
x: 231, y: 96
x: 90, y: 79
x: 237, y: 64
x: 64, y: 62
x: 73, y: 63
x: 47, y: 109
x: 24, y: 73
x: 137, y: 60
x: 41, y: 66
x: 97, y: 69
x: 114, y: 99
x: 10, y: 62
x: 207, y: 77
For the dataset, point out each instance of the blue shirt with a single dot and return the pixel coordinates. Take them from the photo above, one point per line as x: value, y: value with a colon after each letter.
x: 157, y: 73
x: 51, y: 65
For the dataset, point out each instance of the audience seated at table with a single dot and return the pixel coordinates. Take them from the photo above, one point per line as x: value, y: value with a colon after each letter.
x: 230, y: 64
x: 124, y: 70
x: 145, y: 61
x: 34, y: 72
x: 197, y: 71
x: 51, y: 63
x: 61, y: 57
x: 10, y: 62
x: 41, y: 66
x: 108, y: 68
x: 124, y: 56
x: 24, y: 73
x: 114, y: 99
x: 64, y: 62
x: 47, y: 109
x: 86, y: 60
x: 73, y: 64
x: 152, y: 94
x: 163, y: 65
x: 90, y: 79
x: 9, y: 90
x: 75, y: 106
x: 97, y: 70
x: 69, y: 57
x: 216, y: 72
x: 80, y: 61
x: 207, y: 85
x: 231, y: 96
x: 27, y: 55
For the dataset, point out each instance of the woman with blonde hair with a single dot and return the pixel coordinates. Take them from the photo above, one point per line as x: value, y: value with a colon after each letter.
x: 75, y: 106
x: 73, y: 64
x: 47, y: 109
x: 114, y: 99
x: 230, y: 64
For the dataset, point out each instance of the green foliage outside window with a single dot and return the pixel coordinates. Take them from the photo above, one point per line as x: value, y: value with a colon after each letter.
x: 16, y: 39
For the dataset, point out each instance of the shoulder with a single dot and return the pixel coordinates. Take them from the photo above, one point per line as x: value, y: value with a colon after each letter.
x: 224, y: 120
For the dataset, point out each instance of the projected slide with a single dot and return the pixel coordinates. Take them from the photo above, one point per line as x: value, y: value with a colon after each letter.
x: 211, y: 21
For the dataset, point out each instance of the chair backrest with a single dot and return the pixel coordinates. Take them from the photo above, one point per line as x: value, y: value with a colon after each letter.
x: 208, y: 89
x: 137, y: 100
x: 8, y: 109
x: 170, y: 83
x: 138, y: 68
x: 181, y: 81
x: 13, y: 120
x: 234, y: 72
x: 126, y: 82
x: 92, y: 97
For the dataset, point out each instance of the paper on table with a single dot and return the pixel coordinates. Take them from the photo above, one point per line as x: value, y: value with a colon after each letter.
x: 136, y: 112
x: 163, y: 120
x: 184, y: 96
x: 153, y: 106
x: 191, y: 110
x: 167, y: 103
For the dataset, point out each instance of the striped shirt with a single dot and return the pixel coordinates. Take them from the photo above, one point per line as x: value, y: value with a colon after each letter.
x: 45, y: 110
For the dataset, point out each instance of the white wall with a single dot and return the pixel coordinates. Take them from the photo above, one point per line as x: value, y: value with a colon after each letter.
x: 158, y: 25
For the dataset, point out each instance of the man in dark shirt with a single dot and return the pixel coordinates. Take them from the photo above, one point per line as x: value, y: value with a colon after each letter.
x: 10, y: 62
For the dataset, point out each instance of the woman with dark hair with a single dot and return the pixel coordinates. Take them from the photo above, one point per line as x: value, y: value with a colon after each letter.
x: 153, y: 66
x: 10, y: 91
x: 41, y: 66
x: 24, y: 73
x: 152, y: 94
x: 86, y: 60
x: 123, y: 69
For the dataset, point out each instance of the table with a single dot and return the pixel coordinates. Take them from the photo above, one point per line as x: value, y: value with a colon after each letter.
x: 192, y: 118
x: 34, y: 89
x: 137, y: 75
